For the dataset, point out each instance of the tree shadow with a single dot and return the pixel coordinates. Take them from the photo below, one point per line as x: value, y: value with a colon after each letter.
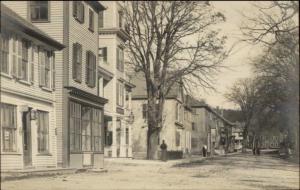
x: 243, y: 161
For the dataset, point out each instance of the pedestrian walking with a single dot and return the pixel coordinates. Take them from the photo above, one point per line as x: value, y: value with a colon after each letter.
x: 163, y: 148
x: 204, y: 150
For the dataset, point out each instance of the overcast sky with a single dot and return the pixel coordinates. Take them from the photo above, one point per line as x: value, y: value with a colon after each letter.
x: 238, y: 62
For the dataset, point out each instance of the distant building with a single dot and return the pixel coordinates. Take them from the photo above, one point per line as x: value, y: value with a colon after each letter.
x: 28, y: 123
x: 237, y: 133
x: 176, y: 134
x: 210, y: 128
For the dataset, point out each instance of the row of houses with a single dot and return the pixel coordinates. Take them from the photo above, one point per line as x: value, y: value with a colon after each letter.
x: 188, y: 124
x: 66, y: 100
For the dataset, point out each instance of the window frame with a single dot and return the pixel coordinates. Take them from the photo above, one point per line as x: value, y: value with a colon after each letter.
x: 120, y: 94
x: 101, y: 19
x: 38, y: 20
x: 13, y: 128
x: 77, y: 62
x: 103, y: 55
x: 91, y: 69
x: 44, y: 132
x: 76, y: 14
x: 5, y: 50
x: 76, y: 132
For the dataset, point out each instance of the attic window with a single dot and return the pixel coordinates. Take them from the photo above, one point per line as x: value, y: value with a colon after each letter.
x: 39, y: 11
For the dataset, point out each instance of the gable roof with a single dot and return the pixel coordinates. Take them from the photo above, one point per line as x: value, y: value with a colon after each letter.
x: 201, y: 104
x: 140, y: 90
x: 10, y: 18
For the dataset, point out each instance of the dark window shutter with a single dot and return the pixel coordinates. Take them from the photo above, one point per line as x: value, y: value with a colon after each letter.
x: 32, y: 63
x: 79, y: 75
x: 53, y: 71
x: 74, y: 60
x: 105, y: 54
x: 42, y: 68
x: 87, y: 68
x: 94, y: 70
x: 118, y: 63
x: 82, y: 12
x: 118, y: 96
x: 100, y: 21
x: 75, y: 4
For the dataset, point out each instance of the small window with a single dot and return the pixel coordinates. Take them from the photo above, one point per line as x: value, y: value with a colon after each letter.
x: 103, y: 55
x: 39, y: 11
x: 78, y: 11
x: 100, y: 19
x: 120, y: 94
x: 90, y: 69
x: 8, y: 127
x: 120, y: 19
x: 4, y: 58
x: 120, y: 59
x: 77, y: 62
x: 43, y: 132
x: 91, y: 20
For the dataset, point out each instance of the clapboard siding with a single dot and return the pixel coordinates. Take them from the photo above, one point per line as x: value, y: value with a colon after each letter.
x: 37, y: 161
x: 79, y: 33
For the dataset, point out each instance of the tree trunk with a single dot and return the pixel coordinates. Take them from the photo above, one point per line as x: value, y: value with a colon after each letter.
x: 152, y: 145
x: 154, y: 126
x: 244, y: 145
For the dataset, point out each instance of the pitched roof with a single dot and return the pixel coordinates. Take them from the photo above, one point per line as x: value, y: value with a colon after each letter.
x: 201, y: 104
x: 10, y: 18
x: 140, y: 90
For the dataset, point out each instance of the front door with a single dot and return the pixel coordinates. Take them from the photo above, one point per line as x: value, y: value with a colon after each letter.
x: 26, y: 138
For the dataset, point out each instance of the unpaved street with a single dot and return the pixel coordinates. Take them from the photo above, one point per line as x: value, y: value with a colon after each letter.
x: 232, y: 172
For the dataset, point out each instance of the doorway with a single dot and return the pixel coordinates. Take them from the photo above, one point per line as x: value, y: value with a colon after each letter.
x: 27, y: 155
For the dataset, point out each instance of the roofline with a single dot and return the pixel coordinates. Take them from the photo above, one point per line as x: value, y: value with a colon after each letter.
x: 207, y: 107
x: 7, y: 19
x: 96, y: 5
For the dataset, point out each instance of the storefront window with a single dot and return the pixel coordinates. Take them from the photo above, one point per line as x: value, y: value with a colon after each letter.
x: 85, y: 128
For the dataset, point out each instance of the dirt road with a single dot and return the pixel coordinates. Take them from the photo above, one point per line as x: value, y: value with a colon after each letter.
x: 231, y: 172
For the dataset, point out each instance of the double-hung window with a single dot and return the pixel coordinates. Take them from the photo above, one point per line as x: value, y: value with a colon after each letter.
x: 8, y: 127
x: 23, y: 67
x: 120, y: 59
x: 77, y: 62
x: 103, y: 55
x: 43, y: 132
x: 90, y: 69
x: 120, y: 94
x: 101, y: 19
x: 78, y: 11
x: 39, y: 11
x: 46, y: 68
x: 4, y: 58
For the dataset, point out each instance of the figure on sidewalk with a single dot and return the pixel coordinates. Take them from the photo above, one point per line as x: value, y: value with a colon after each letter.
x: 204, y: 150
x: 163, y: 148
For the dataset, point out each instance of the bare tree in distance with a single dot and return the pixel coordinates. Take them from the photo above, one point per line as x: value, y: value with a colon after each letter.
x: 172, y: 42
x: 276, y: 27
x: 244, y: 93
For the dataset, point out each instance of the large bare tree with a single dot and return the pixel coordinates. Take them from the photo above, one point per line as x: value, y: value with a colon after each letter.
x: 170, y: 42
